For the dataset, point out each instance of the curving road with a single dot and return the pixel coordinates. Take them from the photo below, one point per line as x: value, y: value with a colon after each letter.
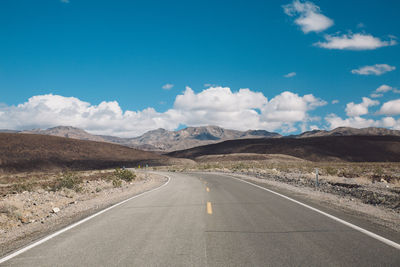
x: 210, y: 220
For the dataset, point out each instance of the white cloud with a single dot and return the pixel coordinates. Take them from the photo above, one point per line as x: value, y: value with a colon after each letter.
x: 335, y: 101
x: 357, y: 41
x: 289, y: 107
x: 242, y: 110
x: 355, y: 110
x: 383, y: 88
x: 335, y: 121
x: 167, y: 86
x: 290, y: 74
x: 356, y: 122
x: 309, y: 15
x: 386, y: 88
x: 373, y: 95
x: 391, y: 107
x: 64, y: 1
x: 377, y: 69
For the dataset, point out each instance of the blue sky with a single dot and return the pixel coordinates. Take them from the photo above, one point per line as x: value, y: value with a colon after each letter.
x: 114, y: 57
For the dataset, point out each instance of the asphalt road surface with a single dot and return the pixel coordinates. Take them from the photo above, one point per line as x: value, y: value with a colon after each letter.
x: 210, y: 220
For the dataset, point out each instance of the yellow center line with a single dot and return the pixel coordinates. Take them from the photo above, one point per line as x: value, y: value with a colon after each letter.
x: 208, y: 189
x: 209, y: 208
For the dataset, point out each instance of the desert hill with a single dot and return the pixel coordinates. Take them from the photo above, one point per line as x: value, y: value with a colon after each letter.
x: 348, y: 131
x: 326, y: 148
x: 27, y: 152
x: 161, y: 140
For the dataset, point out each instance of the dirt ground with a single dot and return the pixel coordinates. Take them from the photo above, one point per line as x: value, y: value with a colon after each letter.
x: 28, y: 215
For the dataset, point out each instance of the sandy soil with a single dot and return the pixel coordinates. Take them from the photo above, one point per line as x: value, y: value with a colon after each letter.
x: 27, y: 216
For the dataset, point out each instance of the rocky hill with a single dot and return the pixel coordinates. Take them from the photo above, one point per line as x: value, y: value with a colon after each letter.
x: 164, y: 140
x: 357, y: 148
x: 161, y: 140
x: 28, y: 152
x: 348, y: 131
x: 66, y: 131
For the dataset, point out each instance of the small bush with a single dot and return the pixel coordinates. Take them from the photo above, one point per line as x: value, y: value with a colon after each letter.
x: 22, y: 187
x: 331, y: 171
x: 67, y: 180
x: 378, y: 172
x: 123, y: 174
x: 117, y: 182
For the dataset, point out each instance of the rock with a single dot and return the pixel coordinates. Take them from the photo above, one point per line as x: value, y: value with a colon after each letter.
x: 24, y: 219
x: 55, y: 210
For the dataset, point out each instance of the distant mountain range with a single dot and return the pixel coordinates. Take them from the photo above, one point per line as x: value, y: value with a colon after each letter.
x: 162, y: 140
x: 348, y: 131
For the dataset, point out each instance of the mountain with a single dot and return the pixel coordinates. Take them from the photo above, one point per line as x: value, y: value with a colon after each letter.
x: 161, y: 140
x: 357, y: 148
x: 164, y: 140
x: 8, y: 131
x: 348, y: 131
x: 35, y: 152
x: 66, y: 131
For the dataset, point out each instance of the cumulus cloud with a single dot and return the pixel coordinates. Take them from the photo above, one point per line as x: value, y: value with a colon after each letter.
x: 45, y: 111
x: 335, y: 121
x: 374, y: 95
x: 383, y: 88
x: 335, y: 101
x: 357, y: 41
x: 309, y: 16
x: 355, y: 110
x: 391, y: 107
x: 377, y: 69
x: 242, y: 110
x: 386, y: 88
x: 290, y: 74
x: 289, y: 107
x: 167, y: 86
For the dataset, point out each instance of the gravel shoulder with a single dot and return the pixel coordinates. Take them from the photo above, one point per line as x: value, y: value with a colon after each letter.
x: 38, y: 213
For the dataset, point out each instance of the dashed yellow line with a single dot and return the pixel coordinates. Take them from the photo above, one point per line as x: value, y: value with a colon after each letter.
x: 207, y: 189
x: 209, y: 208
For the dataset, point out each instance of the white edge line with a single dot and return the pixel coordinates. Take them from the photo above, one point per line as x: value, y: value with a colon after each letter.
x: 47, y: 238
x: 355, y: 227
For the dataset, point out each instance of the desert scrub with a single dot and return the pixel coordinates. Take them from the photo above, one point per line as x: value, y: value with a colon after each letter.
x: 19, y: 188
x: 67, y: 180
x: 124, y: 174
x: 8, y: 209
x: 330, y: 170
x: 117, y: 182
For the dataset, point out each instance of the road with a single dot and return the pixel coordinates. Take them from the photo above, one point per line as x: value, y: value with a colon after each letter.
x: 210, y: 220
